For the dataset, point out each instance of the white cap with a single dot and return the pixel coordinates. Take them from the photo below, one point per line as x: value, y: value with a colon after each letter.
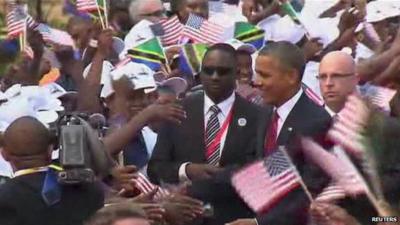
x: 20, y: 107
x: 56, y: 90
x: 268, y: 24
x: 141, y: 76
x: 105, y: 78
x: 238, y: 45
x: 177, y: 84
x: 13, y: 91
x: 139, y: 33
x: 40, y: 98
x: 381, y: 10
x: 286, y: 30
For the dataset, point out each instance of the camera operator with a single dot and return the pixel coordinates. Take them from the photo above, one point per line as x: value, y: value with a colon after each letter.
x: 34, y: 196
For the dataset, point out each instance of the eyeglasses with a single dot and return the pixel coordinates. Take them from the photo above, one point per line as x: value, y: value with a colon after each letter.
x: 221, y: 71
x: 334, y: 77
x: 158, y: 13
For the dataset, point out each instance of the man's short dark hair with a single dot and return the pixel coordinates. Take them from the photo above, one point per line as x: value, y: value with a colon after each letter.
x: 289, y: 55
x: 111, y: 214
x: 176, y: 5
x: 224, y: 48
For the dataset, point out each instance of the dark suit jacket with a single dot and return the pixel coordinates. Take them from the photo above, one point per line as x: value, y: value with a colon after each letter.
x: 305, y: 119
x: 21, y: 203
x: 185, y: 143
x: 177, y: 144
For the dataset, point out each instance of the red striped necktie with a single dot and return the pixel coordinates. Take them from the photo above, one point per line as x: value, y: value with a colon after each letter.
x: 272, y: 134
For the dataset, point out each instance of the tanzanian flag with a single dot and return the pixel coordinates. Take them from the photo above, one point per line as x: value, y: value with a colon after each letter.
x: 149, y: 53
x: 248, y: 33
x: 289, y: 10
x: 190, y: 58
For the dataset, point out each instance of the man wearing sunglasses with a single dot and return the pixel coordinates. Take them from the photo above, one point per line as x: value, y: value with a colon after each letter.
x: 337, y: 80
x: 218, y: 133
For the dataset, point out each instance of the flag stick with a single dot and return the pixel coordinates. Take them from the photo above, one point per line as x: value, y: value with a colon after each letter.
x: 105, y: 13
x: 25, y: 33
x: 303, y: 185
x: 21, y: 42
x: 101, y: 18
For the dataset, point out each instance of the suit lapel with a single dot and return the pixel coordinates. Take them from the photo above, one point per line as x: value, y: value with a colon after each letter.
x: 196, y: 121
x: 233, y: 131
x: 292, y: 121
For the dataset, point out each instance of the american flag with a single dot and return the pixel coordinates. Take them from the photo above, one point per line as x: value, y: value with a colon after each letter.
x: 262, y: 184
x: 331, y: 193
x: 145, y: 186
x: 86, y: 5
x: 17, y: 18
x: 347, y: 128
x: 200, y: 30
x: 342, y: 171
x: 169, y: 30
x: 379, y: 96
x: 54, y: 36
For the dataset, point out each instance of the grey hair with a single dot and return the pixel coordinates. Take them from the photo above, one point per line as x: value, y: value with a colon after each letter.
x: 134, y: 7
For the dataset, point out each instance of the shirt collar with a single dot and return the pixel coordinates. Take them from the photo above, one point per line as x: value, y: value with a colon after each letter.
x: 284, y: 110
x: 225, y: 106
x: 330, y: 111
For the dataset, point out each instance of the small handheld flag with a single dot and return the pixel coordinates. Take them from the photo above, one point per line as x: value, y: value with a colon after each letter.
x: 190, y: 58
x: 250, y: 34
x: 200, y: 30
x: 169, y: 30
x: 149, y: 53
x: 276, y: 177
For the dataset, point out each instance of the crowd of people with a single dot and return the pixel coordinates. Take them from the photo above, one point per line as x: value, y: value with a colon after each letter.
x: 181, y: 118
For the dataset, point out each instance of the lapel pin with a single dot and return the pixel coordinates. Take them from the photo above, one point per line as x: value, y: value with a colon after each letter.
x: 242, y: 122
x: 290, y: 129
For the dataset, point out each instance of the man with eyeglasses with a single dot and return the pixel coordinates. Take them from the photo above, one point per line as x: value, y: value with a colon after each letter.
x: 218, y: 133
x: 337, y: 79
x: 151, y: 10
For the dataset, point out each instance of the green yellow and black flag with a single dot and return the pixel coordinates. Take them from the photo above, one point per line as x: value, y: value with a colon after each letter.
x: 150, y: 53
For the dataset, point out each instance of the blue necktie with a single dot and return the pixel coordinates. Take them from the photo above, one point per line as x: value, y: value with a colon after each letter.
x: 136, y: 153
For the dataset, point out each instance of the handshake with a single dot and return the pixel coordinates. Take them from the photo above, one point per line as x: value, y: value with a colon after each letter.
x: 161, y: 206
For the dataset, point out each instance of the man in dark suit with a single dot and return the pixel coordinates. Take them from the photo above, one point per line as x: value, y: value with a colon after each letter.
x: 24, y: 199
x: 289, y: 114
x: 219, y: 131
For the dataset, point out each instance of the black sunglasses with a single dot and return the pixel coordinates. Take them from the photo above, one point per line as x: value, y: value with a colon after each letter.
x: 221, y: 71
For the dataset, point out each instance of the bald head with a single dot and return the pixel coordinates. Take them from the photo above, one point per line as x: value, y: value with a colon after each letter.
x: 26, y: 136
x: 338, y: 61
x: 337, y: 79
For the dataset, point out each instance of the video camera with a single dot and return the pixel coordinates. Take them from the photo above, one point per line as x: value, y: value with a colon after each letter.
x: 82, y: 154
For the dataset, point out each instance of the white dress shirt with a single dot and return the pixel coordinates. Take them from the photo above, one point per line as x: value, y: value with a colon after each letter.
x: 150, y: 139
x: 284, y: 110
x: 225, y: 107
x: 329, y: 111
